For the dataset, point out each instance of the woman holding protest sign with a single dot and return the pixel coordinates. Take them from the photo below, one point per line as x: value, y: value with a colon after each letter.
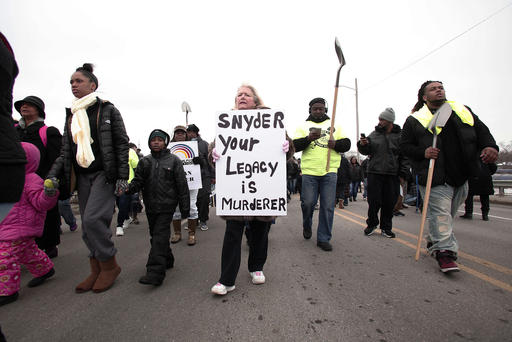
x: 247, y: 98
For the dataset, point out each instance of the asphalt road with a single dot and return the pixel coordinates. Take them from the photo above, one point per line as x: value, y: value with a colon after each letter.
x: 366, y: 289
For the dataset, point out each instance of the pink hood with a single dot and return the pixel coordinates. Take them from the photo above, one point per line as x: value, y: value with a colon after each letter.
x: 33, y: 157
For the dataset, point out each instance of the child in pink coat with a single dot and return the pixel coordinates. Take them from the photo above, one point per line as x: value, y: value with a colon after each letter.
x: 18, y: 230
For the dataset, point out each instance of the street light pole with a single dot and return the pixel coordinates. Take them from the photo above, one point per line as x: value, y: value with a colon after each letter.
x: 357, y: 114
x: 357, y: 119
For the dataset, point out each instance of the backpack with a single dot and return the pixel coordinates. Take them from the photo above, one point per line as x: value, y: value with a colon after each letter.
x: 42, y: 134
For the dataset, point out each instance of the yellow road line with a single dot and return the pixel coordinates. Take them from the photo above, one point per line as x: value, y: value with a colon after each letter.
x: 484, y: 277
x: 483, y: 262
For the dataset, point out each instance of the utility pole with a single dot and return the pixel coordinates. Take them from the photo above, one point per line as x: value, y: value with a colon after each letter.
x: 357, y: 114
x: 357, y: 120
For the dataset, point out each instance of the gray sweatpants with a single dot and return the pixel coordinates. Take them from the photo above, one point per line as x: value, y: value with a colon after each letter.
x: 96, y: 200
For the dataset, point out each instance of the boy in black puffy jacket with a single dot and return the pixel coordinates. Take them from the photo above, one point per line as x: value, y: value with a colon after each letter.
x: 162, y: 180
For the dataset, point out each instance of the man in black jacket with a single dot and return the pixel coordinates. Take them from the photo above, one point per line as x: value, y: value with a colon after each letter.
x: 207, y: 174
x: 384, y: 169
x: 456, y: 155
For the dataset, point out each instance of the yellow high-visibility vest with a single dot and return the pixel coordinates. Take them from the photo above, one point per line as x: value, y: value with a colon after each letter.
x: 424, y: 116
x: 314, y: 157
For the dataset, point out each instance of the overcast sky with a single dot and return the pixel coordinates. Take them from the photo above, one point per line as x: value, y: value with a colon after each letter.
x: 150, y: 56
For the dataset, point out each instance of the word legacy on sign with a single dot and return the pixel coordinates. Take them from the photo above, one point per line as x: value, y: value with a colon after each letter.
x: 248, y: 169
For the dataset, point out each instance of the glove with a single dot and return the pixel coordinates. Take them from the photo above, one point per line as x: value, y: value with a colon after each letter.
x: 286, y: 146
x: 51, y: 185
x: 215, y: 155
x: 196, y: 160
x: 121, y: 187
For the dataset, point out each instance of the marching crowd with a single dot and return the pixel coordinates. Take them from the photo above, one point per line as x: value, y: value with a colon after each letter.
x: 41, y: 169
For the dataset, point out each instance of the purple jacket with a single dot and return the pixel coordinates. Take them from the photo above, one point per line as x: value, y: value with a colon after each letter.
x: 26, y: 218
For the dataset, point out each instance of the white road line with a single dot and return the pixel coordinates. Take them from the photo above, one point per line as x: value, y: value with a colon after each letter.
x: 493, y: 216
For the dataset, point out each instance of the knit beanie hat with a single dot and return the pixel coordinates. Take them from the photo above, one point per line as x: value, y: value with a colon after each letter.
x: 388, y: 114
x: 161, y: 134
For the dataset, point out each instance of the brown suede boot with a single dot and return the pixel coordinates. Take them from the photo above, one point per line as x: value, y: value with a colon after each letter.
x: 87, y: 284
x: 192, y: 225
x: 176, y: 225
x: 109, y: 270
x: 340, y: 204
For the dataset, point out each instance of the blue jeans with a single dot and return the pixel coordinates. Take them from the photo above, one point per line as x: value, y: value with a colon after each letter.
x: 123, y: 203
x: 354, y: 187
x: 443, y: 204
x: 292, y: 184
x: 312, y: 187
x: 66, y: 212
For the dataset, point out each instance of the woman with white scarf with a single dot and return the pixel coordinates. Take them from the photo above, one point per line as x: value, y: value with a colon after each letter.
x: 94, y: 160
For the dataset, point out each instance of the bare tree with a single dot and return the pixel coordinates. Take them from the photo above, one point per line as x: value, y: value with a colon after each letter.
x: 505, y: 154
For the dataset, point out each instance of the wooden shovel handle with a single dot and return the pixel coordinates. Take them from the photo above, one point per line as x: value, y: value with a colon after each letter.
x: 327, y: 167
x: 425, y: 206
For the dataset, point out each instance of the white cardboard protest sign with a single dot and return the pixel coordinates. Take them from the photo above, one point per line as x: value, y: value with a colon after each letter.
x: 251, y: 172
x: 186, y: 150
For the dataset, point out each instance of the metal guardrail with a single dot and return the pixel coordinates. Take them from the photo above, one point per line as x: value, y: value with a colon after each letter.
x: 501, y: 184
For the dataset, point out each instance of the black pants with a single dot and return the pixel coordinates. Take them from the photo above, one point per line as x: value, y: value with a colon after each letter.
x: 484, y: 201
x: 51, y: 232
x: 203, y: 204
x: 232, y: 246
x: 160, y: 252
x: 383, y: 191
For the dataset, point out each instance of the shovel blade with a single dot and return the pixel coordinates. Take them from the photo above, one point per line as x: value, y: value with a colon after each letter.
x: 185, y: 107
x: 441, y: 116
x: 339, y: 53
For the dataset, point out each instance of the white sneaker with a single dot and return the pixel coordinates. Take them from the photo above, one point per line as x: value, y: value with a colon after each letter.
x: 257, y: 277
x: 127, y: 222
x: 119, y: 231
x: 204, y: 226
x: 221, y: 290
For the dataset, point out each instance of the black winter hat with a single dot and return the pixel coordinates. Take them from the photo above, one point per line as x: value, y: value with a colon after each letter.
x: 159, y: 133
x: 318, y: 100
x: 33, y: 100
x: 193, y: 128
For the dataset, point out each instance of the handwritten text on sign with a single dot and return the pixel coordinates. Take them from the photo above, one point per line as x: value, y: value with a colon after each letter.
x: 186, y: 150
x: 251, y: 172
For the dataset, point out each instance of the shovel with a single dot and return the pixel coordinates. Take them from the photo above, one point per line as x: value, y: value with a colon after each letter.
x: 185, y: 107
x: 438, y: 120
x: 341, y: 59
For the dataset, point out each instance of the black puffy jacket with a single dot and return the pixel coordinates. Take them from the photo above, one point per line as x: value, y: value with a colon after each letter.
x: 163, y: 182
x: 12, y: 155
x: 113, y: 142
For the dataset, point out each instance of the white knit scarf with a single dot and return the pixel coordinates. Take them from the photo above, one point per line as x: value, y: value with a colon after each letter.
x: 80, y: 129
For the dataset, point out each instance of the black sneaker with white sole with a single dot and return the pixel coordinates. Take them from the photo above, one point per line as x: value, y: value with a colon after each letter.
x: 388, y: 234
x: 369, y: 230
